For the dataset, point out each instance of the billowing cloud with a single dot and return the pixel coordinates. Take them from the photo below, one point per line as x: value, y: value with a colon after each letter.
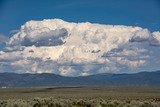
x: 74, y: 49
x: 155, y: 39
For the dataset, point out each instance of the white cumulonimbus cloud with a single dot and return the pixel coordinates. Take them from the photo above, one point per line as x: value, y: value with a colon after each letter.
x: 74, y: 49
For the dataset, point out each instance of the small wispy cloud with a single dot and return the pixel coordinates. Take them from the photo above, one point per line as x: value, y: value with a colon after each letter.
x: 14, y: 31
x: 3, y: 39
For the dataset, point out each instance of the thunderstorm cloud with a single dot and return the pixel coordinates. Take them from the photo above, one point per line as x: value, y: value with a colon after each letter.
x: 74, y: 49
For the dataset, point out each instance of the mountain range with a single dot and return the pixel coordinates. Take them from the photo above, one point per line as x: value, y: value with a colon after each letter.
x: 106, y: 79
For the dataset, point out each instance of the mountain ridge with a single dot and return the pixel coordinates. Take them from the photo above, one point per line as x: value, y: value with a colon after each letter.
x: 106, y: 79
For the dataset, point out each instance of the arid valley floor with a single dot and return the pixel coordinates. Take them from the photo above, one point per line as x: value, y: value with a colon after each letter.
x: 80, y: 97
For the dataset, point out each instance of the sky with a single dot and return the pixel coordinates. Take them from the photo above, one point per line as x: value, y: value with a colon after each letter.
x: 143, y: 13
x: 61, y: 37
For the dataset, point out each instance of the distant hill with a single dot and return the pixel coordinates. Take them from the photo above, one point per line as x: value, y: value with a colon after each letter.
x: 106, y: 79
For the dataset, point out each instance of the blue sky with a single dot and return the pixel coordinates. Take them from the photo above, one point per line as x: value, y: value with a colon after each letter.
x: 143, y: 13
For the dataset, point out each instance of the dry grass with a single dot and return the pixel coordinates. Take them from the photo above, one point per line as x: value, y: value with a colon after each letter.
x: 80, y: 97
